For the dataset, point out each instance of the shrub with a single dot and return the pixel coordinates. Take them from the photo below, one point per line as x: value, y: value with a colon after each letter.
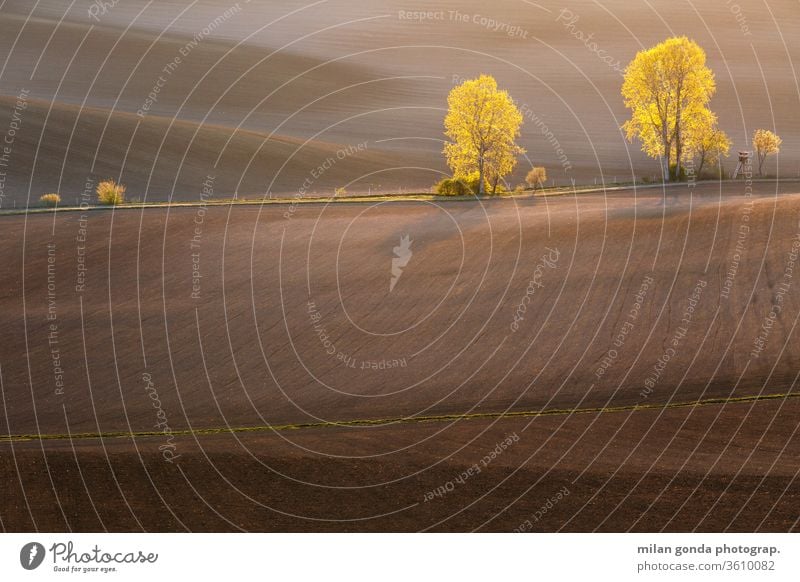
x: 339, y: 191
x: 111, y: 193
x: 536, y: 177
x: 472, y: 184
x: 51, y: 200
x: 466, y: 186
x: 451, y: 187
x: 519, y: 189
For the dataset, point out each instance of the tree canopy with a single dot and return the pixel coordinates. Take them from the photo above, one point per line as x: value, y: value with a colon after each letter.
x: 667, y: 88
x: 706, y: 142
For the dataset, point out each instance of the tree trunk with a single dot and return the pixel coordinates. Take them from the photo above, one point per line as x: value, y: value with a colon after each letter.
x: 480, y: 174
x: 494, y: 185
x: 702, y: 162
x: 761, y: 159
x: 667, y: 151
x: 678, y: 133
x: 678, y: 147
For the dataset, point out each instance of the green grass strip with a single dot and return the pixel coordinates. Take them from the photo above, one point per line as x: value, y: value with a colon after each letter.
x: 397, y: 420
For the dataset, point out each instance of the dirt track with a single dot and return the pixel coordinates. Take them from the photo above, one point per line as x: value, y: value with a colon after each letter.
x: 293, y: 322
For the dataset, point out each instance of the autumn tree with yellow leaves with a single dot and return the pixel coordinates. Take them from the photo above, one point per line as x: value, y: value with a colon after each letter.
x: 482, y: 124
x: 537, y: 176
x: 706, y: 143
x: 765, y: 143
x: 499, y: 163
x: 667, y: 88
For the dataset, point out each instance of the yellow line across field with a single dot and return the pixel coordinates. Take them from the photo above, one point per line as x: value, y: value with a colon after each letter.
x: 397, y: 420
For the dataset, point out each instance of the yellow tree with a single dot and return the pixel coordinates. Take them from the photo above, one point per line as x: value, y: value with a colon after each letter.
x: 500, y: 162
x: 765, y: 143
x: 667, y: 88
x: 713, y: 145
x: 706, y: 142
x: 483, y: 124
x: 537, y: 176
